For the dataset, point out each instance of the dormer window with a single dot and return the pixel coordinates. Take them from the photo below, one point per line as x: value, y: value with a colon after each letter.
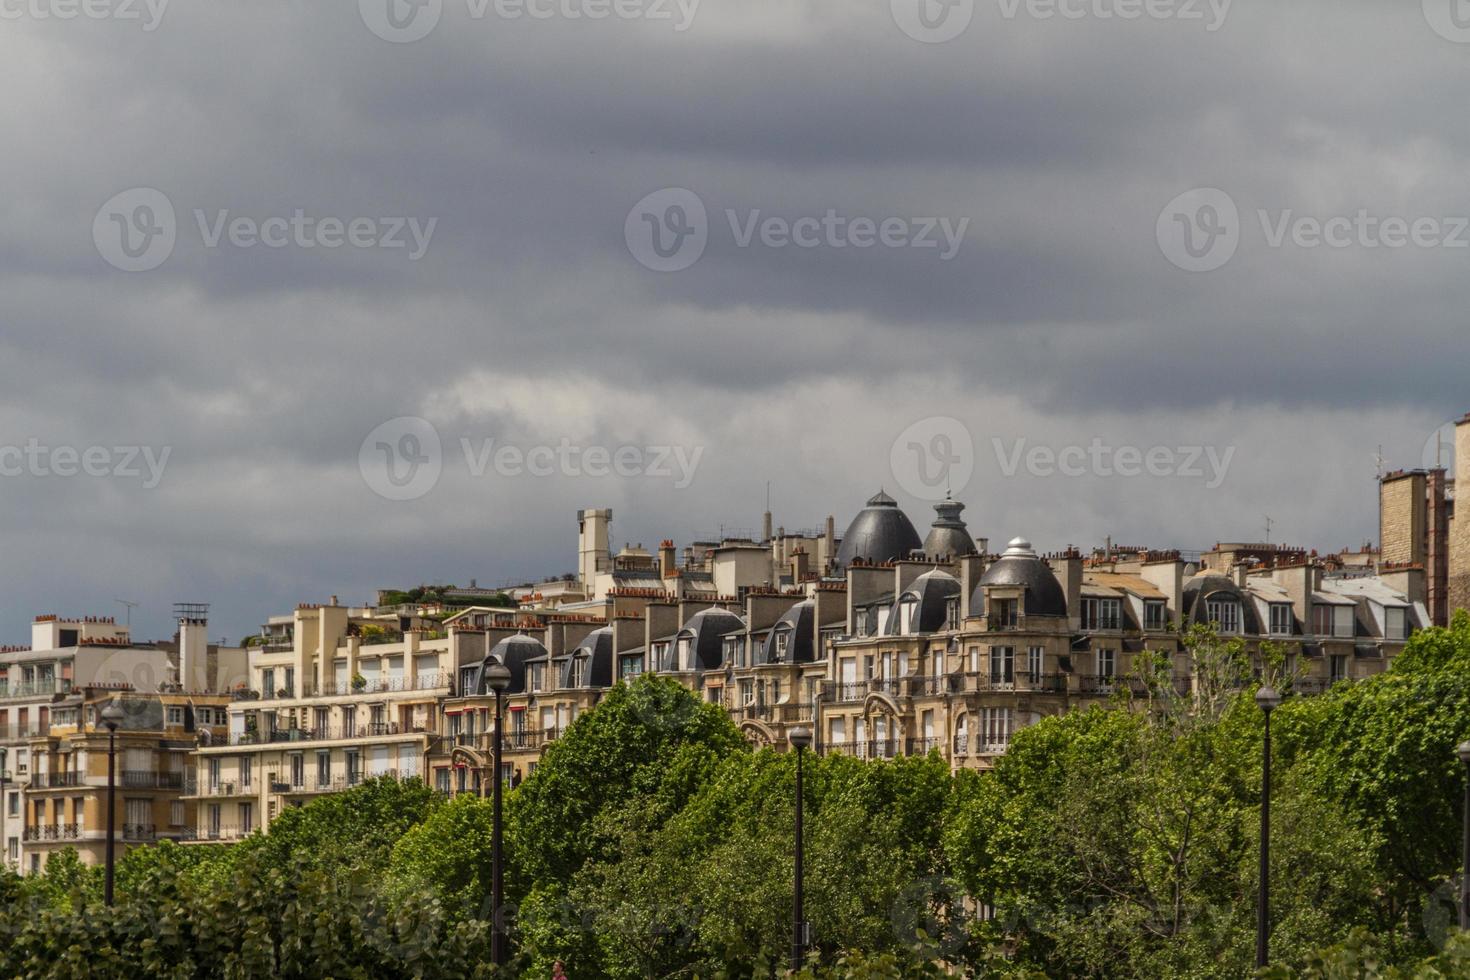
x: 952, y: 613
x: 1005, y: 614
x: 1225, y: 614
x: 907, y: 607
x: 1281, y: 619
x: 1155, y: 614
x: 1102, y: 614
x: 686, y: 654
x: 661, y: 656
x: 731, y: 646
x: 1395, y: 623
x: 783, y: 643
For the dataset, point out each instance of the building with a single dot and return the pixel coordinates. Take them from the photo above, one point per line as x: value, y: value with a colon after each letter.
x: 1417, y: 529
x: 50, y: 693
x: 335, y: 695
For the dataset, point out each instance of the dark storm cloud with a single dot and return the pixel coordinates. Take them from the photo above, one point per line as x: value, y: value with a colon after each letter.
x: 528, y: 320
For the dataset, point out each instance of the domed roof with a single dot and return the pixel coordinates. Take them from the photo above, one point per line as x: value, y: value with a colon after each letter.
x: 948, y: 537
x: 706, y: 631
x: 796, y: 625
x: 597, y: 650
x: 1204, y: 586
x: 1021, y: 566
x: 930, y: 593
x: 514, y: 652
x: 880, y: 532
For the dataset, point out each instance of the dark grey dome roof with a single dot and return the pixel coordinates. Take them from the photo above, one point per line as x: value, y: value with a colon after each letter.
x: 597, y: 650
x: 948, y: 537
x: 880, y: 532
x: 797, y: 623
x: 706, y: 630
x: 1020, y: 566
x: 931, y: 593
x: 1205, y: 586
x: 513, y: 651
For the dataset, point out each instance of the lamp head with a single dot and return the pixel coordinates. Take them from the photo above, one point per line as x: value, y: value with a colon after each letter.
x: 113, y: 716
x: 497, y: 678
x: 800, y: 738
x: 1267, y: 699
x: 1462, y: 751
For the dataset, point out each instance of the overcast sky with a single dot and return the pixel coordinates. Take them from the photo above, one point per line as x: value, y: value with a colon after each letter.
x: 978, y: 261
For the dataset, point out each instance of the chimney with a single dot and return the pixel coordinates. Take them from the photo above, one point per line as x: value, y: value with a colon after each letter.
x: 766, y: 527
x: 334, y: 601
x: 971, y: 568
x: 801, y: 566
x: 194, y: 654
x: 829, y: 540
x: 1069, y: 571
x: 666, y: 564
x: 1459, y: 530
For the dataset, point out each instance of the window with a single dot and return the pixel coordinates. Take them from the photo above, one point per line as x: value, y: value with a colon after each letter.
x: 1155, y: 614
x: 245, y: 768
x: 1005, y: 614
x: 1035, y: 660
x: 1225, y: 614
x: 175, y: 716
x: 1396, y: 624
x: 686, y: 660
x: 213, y: 770
x: 176, y: 813
x: 1281, y: 619
x: 995, y: 729
x: 1106, y: 665
x: 467, y: 680
x: 906, y: 609
x: 952, y: 613
x: 323, y: 769
x: 1338, y: 663
x: 783, y: 643
x: 268, y: 682
x: 731, y: 649
x: 1102, y: 614
x: 630, y: 666
x: 1002, y: 665
x: 837, y: 731
x: 441, y: 780
x: 661, y: 656
x: 247, y: 819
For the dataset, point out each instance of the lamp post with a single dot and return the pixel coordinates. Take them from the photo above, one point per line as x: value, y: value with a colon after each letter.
x: 1267, y: 699
x: 801, y: 738
x: 1463, y: 752
x: 497, y: 676
x: 4, y: 845
x: 112, y: 718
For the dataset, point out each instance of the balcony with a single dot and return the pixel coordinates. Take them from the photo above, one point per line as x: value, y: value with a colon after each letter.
x: 321, y: 733
x: 36, y: 689
x: 52, y: 832
x: 219, y: 833
x: 220, y: 789
x: 844, y: 692
x: 55, y: 780
x: 380, y: 685
x: 143, y: 779
x: 139, y: 831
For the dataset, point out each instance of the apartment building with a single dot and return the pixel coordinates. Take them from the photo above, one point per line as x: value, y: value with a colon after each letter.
x: 50, y: 693
x: 335, y: 695
x: 65, y: 797
x: 1417, y: 529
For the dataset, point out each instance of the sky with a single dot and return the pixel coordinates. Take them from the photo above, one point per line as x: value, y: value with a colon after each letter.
x: 301, y: 300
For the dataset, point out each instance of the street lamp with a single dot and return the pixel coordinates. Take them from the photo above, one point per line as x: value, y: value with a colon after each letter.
x: 801, y: 738
x: 1463, y: 752
x: 112, y: 717
x: 5, y: 854
x: 497, y: 677
x: 1267, y: 699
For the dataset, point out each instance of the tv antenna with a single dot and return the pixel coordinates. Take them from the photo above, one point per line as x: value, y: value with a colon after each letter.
x: 130, y: 607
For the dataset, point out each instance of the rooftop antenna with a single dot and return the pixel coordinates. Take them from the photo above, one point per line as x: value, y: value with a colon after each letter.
x: 1269, y: 522
x: 1378, y: 458
x: 130, y: 607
